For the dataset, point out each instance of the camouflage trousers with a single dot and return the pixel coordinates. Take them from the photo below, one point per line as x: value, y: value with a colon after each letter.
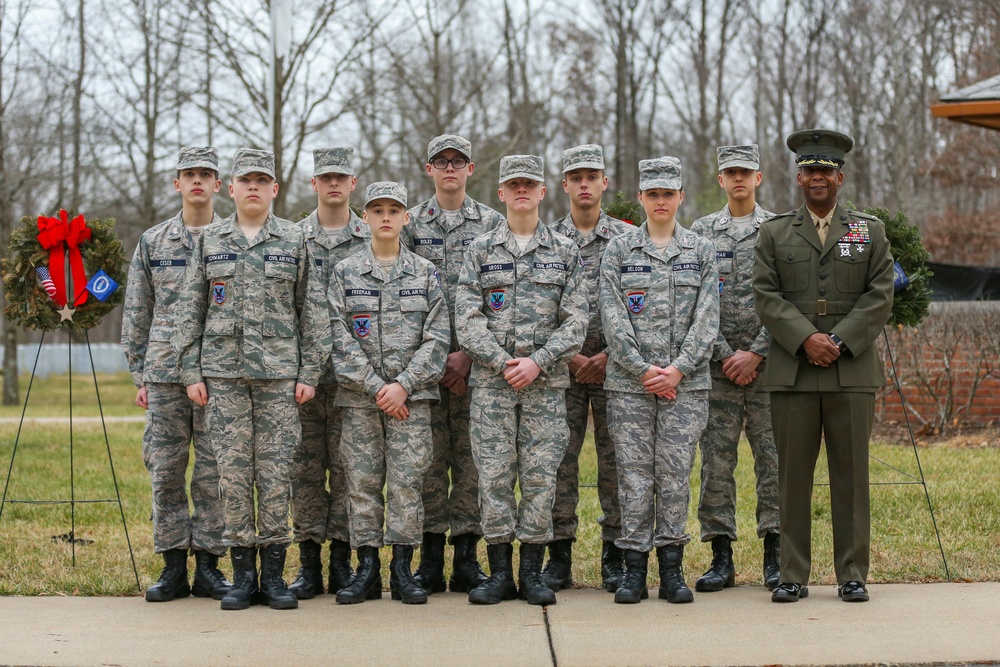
x: 580, y: 400
x: 173, y: 425
x: 319, y: 514
x: 655, y: 441
x: 518, y: 436
x: 379, y: 450
x: 255, y: 429
x: 729, y: 407
x: 451, y: 503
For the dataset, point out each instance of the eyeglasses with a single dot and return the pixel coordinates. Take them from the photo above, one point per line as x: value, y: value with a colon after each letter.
x: 455, y: 162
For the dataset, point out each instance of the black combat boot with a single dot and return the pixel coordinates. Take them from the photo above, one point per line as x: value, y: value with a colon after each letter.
x: 465, y: 572
x: 529, y: 575
x: 173, y: 581
x: 401, y: 583
x: 341, y: 574
x: 430, y: 573
x: 633, y: 587
x: 244, y: 591
x: 309, y: 581
x: 209, y: 582
x: 772, y: 560
x: 558, y: 572
x: 672, y: 586
x: 500, y: 584
x: 272, y: 582
x: 722, y: 574
x: 367, y: 584
x: 612, y: 566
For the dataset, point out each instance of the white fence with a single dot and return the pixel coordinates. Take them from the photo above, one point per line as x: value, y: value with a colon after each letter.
x: 55, y: 358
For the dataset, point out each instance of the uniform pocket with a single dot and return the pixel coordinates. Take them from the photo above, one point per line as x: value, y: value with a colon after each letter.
x: 850, y: 274
x: 793, y: 267
x: 281, y: 345
x: 218, y: 343
x: 280, y: 270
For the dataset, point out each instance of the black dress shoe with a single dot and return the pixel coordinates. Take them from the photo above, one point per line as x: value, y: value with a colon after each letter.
x: 853, y: 591
x: 789, y: 593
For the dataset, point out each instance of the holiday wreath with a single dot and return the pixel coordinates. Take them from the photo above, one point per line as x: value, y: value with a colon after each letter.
x: 34, y: 272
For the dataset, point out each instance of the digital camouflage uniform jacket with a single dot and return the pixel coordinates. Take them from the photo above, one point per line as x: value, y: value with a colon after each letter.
x: 327, y: 251
x: 591, y: 250
x: 433, y: 237
x: 387, y: 328
x: 155, y: 282
x: 533, y: 305
x: 253, y: 309
x: 659, y: 307
x: 739, y: 326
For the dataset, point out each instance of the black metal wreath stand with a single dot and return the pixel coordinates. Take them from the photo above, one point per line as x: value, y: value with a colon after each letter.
x: 73, y: 501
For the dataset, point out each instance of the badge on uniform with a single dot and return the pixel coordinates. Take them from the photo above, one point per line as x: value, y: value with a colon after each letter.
x: 845, y: 249
x: 636, y: 301
x: 362, y: 324
x: 497, y: 298
x: 721, y: 281
x: 860, y: 248
x: 219, y: 292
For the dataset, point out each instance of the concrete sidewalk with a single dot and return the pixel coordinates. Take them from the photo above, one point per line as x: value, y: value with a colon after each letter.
x: 933, y: 623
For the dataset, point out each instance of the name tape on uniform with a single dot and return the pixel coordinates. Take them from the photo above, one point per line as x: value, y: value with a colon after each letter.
x: 413, y: 292
x: 169, y: 262
x: 550, y: 265
x: 362, y: 292
x: 428, y: 241
x: 489, y: 268
x: 688, y: 266
x: 221, y: 257
x: 282, y: 259
x: 637, y: 268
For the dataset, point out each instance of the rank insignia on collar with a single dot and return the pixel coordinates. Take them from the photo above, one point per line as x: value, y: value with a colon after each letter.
x: 636, y: 301
x: 845, y: 249
x: 497, y: 298
x: 174, y: 232
x: 470, y: 210
x: 362, y: 324
x: 219, y: 292
x: 430, y: 211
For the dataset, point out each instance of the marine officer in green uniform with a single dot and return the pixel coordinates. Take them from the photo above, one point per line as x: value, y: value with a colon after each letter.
x: 822, y: 285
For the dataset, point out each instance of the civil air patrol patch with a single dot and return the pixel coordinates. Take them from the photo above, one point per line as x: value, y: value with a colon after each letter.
x: 219, y: 292
x: 858, y: 232
x: 636, y: 301
x: 721, y: 283
x: 362, y: 324
x: 497, y: 298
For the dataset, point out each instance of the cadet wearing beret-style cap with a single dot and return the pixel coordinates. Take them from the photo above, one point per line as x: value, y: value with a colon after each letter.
x: 822, y: 284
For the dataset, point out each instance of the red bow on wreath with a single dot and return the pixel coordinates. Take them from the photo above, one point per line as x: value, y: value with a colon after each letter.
x: 56, y: 235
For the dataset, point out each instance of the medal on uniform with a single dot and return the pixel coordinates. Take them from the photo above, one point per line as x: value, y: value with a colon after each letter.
x: 636, y: 301
x: 362, y: 324
x: 219, y: 292
x: 497, y: 298
x: 845, y: 249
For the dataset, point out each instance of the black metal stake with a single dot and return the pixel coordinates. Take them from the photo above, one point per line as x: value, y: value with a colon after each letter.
x: 72, y: 479
x: 20, y: 424
x: 916, y: 454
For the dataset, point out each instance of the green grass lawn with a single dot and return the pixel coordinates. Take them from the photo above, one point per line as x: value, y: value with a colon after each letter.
x: 904, y: 548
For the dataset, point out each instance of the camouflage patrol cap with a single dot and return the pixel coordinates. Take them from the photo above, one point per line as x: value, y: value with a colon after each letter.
x: 446, y: 141
x: 198, y: 157
x: 587, y: 156
x: 385, y: 190
x: 660, y: 172
x: 334, y: 160
x: 822, y: 148
x: 250, y: 160
x: 522, y: 166
x: 747, y: 157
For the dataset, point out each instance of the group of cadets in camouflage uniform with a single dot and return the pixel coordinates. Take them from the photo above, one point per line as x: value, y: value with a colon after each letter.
x: 446, y: 353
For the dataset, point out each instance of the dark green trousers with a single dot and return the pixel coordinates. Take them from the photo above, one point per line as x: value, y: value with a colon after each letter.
x: 844, y: 419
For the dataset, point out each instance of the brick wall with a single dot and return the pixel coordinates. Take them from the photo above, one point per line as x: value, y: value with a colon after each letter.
x: 948, y: 367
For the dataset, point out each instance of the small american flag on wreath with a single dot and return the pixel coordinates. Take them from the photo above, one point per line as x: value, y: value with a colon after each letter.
x: 46, y: 281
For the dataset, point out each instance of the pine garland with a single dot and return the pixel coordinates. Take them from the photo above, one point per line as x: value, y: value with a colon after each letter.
x: 911, y: 304
x: 30, y: 306
x: 625, y: 210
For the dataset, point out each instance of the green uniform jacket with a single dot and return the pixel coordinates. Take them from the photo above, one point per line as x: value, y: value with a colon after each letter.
x: 251, y: 309
x: 843, y: 288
